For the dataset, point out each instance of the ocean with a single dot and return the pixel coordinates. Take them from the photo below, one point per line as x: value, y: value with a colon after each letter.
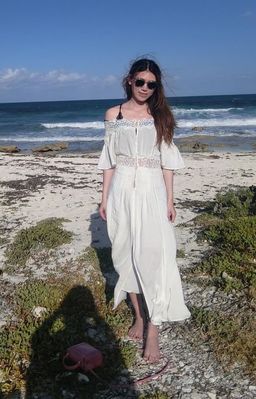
x: 80, y: 123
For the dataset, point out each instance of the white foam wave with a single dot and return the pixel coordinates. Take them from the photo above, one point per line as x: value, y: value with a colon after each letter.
x: 77, y: 125
x: 37, y: 139
x: 217, y: 122
x: 219, y: 135
x: 203, y: 110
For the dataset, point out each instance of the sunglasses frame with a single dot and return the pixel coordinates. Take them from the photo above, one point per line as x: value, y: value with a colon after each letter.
x: 148, y: 83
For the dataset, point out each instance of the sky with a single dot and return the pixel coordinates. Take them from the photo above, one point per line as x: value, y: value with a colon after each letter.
x: 81, y: 49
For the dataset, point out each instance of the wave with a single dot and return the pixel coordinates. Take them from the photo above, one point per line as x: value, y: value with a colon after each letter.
x: 203, y: 110
x: 215, y: 134
x: 77, y: 125
x: 217, y: 122
x: 56, y: 138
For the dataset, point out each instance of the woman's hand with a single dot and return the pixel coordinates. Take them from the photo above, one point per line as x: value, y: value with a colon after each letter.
x: 102, y: 210
x: 171, y: 212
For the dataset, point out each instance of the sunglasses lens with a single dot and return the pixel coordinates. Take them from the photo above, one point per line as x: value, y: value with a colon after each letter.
x: 152, y: 85
x: 139, y: 82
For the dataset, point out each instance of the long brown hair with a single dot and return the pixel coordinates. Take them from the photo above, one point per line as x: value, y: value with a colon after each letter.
x: 157, y: 103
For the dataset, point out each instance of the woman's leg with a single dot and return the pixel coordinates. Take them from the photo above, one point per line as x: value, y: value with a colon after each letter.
x: 151, y: 351
x: 136, y: 331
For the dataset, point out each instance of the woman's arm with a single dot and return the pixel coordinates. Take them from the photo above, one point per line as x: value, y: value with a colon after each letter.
x: 107, y: 173
x: 168, y: 179
x: 107, y: 177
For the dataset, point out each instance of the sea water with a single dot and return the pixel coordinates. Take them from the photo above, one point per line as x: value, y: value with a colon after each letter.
x: 81, y: 123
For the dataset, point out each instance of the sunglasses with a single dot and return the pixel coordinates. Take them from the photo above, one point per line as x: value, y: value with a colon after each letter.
x: 152, y: 85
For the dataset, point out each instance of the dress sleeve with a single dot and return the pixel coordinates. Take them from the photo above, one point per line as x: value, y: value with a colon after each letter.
x: 170, y: 156
x: 107, y: 158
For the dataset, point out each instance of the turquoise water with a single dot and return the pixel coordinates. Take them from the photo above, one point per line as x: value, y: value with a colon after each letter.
x: 80, y: 123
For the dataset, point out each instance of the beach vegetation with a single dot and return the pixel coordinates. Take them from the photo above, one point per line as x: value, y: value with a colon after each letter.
x: 231, y: 260
x: 46, y: 234
x: 229, y: 227
x: 3, y: 241
x: 180, y: 253
x: 154, y: 395
x: 231, y: 336
x: 234, y: 203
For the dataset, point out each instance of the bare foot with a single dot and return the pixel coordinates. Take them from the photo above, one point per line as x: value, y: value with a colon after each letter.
x: 136, y: 331
x: 152, y: 352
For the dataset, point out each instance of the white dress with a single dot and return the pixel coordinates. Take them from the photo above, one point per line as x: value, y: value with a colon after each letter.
x: 142, y: 237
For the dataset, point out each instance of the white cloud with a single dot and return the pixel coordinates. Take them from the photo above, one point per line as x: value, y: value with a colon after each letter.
x: 247, y: 13
x: 110, y: 79
x: 61, y: 76
x: 12, y: 75
x: 11, y: 78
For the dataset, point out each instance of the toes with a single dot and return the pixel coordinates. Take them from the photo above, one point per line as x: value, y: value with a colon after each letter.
x: 151, y: 358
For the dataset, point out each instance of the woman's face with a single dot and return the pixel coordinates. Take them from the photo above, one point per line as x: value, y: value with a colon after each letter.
x: 142, y: 93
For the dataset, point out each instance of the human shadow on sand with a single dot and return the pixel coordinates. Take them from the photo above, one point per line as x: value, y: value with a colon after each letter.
x: 101, y: 244
x: 76, y: 320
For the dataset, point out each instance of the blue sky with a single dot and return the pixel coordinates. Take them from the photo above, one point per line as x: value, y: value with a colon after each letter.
x: 74, y: 49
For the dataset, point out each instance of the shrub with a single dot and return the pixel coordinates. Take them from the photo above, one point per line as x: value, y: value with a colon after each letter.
x: 46, y: 234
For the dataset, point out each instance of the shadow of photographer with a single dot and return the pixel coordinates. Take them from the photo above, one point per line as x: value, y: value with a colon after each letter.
x: 76, y: 320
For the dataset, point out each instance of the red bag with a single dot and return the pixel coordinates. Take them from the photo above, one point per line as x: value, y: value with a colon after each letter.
x: 84, y: 356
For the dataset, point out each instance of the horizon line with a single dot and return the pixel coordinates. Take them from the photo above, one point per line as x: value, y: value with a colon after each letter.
x: 120, y: 98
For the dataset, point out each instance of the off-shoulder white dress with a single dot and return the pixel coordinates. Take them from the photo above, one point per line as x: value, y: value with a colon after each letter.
x: 142, y: 237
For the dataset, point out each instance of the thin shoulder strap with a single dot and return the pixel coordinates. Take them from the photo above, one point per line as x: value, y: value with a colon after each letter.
x: 120, y: 115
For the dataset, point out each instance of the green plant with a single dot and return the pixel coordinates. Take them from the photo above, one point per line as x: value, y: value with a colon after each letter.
x: 231, y: 261
x: 46, y: 234
x: 233, y: 336
x: 229, y: 226
x: 235, y: 203
x: 180, y: 253
x: 154, y: 395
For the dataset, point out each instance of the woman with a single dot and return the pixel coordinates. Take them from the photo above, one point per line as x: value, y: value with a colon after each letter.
x: 138, y: 159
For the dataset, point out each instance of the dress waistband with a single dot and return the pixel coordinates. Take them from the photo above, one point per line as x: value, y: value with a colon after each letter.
x: 138, y: 161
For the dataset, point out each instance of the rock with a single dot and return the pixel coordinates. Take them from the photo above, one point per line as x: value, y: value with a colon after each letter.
x: 38, y: 311
x: 82, y: 378
x: 9, y: 148
x: 91, y: 321
x: 226, y: 276
x: 197, y: 128
x: 196, y: 395
x: 91, y: 333
x: 199, y: 146
x: 51, y: 147
x: 186, y: 389
x: 172, y: 369
x: 67, y: 395
x: 193, y: 146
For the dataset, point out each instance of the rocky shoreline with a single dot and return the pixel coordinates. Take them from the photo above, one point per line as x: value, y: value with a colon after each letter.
x: 200, y: 141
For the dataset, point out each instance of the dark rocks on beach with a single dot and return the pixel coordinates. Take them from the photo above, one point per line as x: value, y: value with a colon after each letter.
x: 194, y: 146
x: 197, y: 128
x: 51, y: 147
x: 9, y: 149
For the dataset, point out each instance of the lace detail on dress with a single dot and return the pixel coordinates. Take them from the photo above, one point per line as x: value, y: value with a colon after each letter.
x: 128, y: 122
x: 140, y: 161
